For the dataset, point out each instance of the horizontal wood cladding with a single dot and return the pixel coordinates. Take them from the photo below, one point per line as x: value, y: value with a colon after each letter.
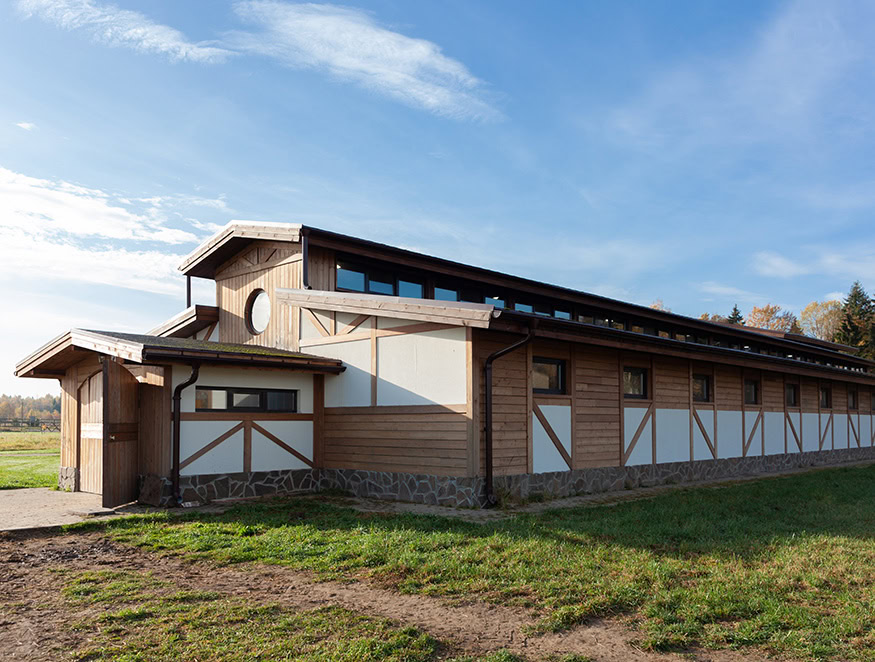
x: 809, y: 395
x: 266, y: 266
x: 418, y: 439
x: 773, y: 391
x: 510, y: 402
x: 596, y: 391
x: 727, y: 387
x: 671, y: 382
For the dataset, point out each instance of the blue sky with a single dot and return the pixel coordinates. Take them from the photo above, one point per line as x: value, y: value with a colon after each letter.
x: 705, y: 153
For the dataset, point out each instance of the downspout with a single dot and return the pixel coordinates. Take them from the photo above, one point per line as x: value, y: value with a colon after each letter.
x: 305, y: 259
x: 187, y: 292
x: 491, y: 499
x: 177, y: 406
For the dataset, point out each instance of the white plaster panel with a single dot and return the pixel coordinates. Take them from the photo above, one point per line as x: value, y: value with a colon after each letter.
x: 393, y: 322
x: 672, y: 435
x: 810, y: 432
x: 545, y: 457
x: 227, y: 457
x: 352, y: 387
x: 345, y: 319
x: 308, y: 329
x: 774, y: 422
x: 841, y: 430
x: 422, y: 368
x: 796, y: 417
x: 267, y: 456
x: 756, y: 444
x: 729, y: 442
x: 246, y: 377
x: 865, y: 430
x: 643, y: 451
x: 701, y: 451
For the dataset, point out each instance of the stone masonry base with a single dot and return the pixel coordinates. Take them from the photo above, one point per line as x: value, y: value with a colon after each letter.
x: 467, y: 492
x: 68, y: 477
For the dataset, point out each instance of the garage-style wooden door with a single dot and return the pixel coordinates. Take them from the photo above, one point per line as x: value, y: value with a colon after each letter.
x: 90, y: 460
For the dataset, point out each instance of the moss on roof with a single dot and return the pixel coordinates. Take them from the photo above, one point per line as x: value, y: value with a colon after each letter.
x: 190, y: 344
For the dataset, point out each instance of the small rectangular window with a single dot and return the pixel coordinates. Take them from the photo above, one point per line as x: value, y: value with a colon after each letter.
x: 498, y: 302
x: 562, y: 314
x: 210, y: 399
x: 282, y: 401
x: 445, y: 294
x: 852, y: 399
x: 410, y: 289
x: 791, y: 395
x: 701, y: 388
x: 751, y: 392
x: 635, y: 383
x: 586, y: 319
x: 350, y: 278
x: 523, y: 307
x: 544, y: 309
x: 246, y: 400
x: 548, y: 376
x: 381, y: 284
x: 825, y: 397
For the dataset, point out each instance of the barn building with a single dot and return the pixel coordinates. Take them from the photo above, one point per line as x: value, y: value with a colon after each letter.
x: 333, y: 362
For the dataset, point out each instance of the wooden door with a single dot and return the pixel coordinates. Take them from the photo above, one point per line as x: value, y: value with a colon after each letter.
x: 90, y: 456
x: 120, y: 435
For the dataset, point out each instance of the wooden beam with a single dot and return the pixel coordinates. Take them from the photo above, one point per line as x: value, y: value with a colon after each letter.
x: 379, y: 333
x: 705, y: 433
x: 826, y: 429
x: 552, y: 434
x: 756, y: 425
x: 210, y: 446
x: 647, y: 415
x: 793, y: 429
x: 352, y: 326
x: 279, y: 442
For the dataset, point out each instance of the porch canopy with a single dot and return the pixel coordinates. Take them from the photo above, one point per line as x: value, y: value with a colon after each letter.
x: 52, y: 359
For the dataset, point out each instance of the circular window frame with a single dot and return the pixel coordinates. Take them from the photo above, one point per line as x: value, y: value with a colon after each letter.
x: 247, y: 315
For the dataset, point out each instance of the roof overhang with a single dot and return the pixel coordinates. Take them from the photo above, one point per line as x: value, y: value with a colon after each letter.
x: 457, y: 313
x: 517, y: 322
x: 53, y: 358
x: 230, y: 240
x: 187, y: 323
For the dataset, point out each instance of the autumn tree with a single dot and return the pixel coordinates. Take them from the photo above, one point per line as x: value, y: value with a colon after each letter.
x: 857, y: 316
x: 821, y: 319
x: 713, y: 317
x: 659, y: 305
x: 771, y: 317
x: 735, y: 317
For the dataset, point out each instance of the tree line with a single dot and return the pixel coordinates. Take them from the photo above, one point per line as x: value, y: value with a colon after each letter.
x: 848, y: 322
x: 18, y: 406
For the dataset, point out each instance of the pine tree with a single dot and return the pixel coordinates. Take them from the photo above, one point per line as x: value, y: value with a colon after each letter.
x: 735, y: 317
x: 858, y: 315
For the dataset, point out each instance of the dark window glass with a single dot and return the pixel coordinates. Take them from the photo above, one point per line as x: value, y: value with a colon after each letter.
x: 634, y: 383
x: 542, y: 309
x: 381, y: 284
x: 826, y: 397
x: 701, y: 388
x: 471, y: 296
x: 664, y: 334
x: 852, y: 399
x: 245, y: 399
x: 498, y: 302
x: 445, y: 294
x: 548, y: 375
x: 523, y: 307
x: 562, y: 314
x: 206, y: 399
x: 410, y: 289
x: 791, y: 395
x: 636, y: 328
x: 350, y: 279
x: 281, y: 401
x: 751, y: 392
x: 586, y: 319
x: 620, y: 326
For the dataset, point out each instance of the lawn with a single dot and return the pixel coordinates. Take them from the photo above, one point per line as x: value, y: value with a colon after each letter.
x: 24, y: 470
x: 30, y: 441
x: 783, y: 565
x: 144, y: 618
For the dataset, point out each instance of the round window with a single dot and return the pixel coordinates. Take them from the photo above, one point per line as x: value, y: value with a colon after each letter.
x: 258, y: 311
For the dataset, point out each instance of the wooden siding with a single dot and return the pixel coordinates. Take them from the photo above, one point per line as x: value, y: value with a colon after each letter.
x: 727, y: 387
x: 155, y: 427
x: 773, y: 391
x: 423, y: 439
x: 120, y: 435
x: 596, y: 388
x: 671, y: 383
x: 323, y: 268
x: 236, y: 281
x: 510, y: 403
x: 839, y: 398
x: 90, y: 455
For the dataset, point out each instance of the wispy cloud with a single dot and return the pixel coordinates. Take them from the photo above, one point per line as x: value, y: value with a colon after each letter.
x: 848, y: 263
x: 111, y: 25
x: 729, y: 292
x: 349, y: 45
x: 27, y: 126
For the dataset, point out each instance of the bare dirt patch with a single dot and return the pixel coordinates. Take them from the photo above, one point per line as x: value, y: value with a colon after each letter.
x: 35, y: 620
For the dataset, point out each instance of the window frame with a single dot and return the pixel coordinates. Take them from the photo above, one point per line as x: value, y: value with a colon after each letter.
x: 247, y: 311
x: 709, y: 387
x: 825, y: 389
x: 853, y: 391
x: 562, y: 365
x: 262, y: 399
x: 645, y: 383
x: 795, y: 387
x: 758, y: 400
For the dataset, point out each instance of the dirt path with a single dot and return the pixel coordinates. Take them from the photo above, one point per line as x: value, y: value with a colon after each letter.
x: 39, y: 628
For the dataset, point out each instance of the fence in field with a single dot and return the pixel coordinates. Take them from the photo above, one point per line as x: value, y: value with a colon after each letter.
x: 30, y: 424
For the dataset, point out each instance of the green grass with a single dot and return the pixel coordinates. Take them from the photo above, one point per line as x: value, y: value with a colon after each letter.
x: 785, y: 565
x: 28, y: 470
x: 150, y: 619
x: 30, y: 441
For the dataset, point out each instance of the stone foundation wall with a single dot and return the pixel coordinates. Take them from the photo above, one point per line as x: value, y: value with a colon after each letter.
x: 467, y: 492
x: 68, y: 478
